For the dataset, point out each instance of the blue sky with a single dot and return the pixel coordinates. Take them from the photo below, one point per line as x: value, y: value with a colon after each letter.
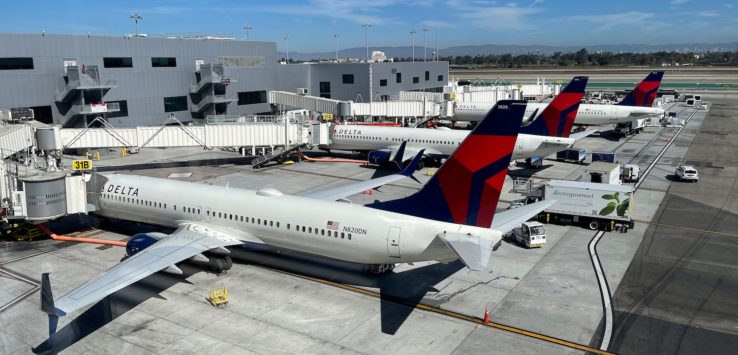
x: 311, y: 24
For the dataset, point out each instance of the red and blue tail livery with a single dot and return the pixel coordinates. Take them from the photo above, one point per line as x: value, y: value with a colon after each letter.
x: 465, y: 190
x: 558, y: 117
x: 645, y: 92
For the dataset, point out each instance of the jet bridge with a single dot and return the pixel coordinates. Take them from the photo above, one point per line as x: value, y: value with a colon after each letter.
x: 423, y: 107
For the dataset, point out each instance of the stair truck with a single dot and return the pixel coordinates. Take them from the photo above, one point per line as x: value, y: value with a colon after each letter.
x: 591, y: 205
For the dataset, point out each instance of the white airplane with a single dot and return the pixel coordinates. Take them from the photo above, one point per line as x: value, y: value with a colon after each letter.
x: 451, y: 217
x: 548, y: 133
x: 634, y: 106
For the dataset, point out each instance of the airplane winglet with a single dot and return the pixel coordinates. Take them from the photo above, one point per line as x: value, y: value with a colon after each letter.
x: 399, y: 155
x: 47, y: 306
x: 410, y: 168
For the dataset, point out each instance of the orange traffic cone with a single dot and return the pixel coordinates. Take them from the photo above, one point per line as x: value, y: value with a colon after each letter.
x: 486, y: 315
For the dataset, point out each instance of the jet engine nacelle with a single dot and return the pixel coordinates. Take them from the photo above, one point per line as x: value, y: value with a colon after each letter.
x: 379, y: 157
x: 142, y: 241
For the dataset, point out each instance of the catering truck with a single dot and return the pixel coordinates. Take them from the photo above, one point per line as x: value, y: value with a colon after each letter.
x: 591, y: 205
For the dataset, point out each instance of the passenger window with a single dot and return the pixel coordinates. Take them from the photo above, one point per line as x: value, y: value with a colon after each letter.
x: 288, y: 226
x: 310, y: 230
x: 271, y: 223
x: 322, y: 232
x: 341, y: 235
x: 349, y: 236
x: 198, y: 210
x: 277, y: 224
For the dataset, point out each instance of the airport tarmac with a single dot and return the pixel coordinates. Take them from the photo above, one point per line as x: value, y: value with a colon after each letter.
x: 286, y: 302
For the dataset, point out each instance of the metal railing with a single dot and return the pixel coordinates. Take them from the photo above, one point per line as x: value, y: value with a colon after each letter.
x: 212, y: 99
x: 88, y: 110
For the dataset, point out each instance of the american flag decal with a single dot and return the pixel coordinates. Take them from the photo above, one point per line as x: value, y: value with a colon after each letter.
x: 332, y: 225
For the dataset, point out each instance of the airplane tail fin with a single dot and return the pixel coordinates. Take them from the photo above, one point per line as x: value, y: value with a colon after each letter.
x: 558, y: 117
x: 645, y: 92
x: 465, y: 190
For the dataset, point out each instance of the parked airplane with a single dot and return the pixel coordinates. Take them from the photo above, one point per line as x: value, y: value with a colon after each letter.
x: 548, y: 133
x: 451, y: 217
x: 634, y: 106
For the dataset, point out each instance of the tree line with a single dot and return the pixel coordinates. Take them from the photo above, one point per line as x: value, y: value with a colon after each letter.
x: 583, y: 57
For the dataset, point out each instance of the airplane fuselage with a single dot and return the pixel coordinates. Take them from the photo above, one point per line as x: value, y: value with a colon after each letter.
x: 337, y: 230
x: 587, y: 115
x: 436, y: 142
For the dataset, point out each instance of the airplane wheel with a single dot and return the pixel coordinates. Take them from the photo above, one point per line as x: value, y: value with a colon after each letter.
x: 594, y: 225
x: 217, y: 265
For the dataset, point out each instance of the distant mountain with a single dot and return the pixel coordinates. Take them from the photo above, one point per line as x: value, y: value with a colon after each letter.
x: 406, y: 52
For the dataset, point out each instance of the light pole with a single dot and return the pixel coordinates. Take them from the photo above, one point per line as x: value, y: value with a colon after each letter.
x: 436, y: 32
x: 336, y: 36
x: 366, y: 39
x: 135, y: 16
x: 287, y: 40
x: 425, y: 46
x: 247, y: 28
x: 412, y: 34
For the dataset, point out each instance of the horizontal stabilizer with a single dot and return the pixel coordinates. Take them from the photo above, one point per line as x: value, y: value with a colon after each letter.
x: 505, y: 221
x: 474, y: 251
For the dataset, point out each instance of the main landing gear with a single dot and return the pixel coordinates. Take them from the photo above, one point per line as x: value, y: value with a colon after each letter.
x: 219, y: 264
x: 378, y: 269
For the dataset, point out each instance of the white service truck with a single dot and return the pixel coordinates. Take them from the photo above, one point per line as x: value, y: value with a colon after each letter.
x: 530, y: 234
x: 592, y: 205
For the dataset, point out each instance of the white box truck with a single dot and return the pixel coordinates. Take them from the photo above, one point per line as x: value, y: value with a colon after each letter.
x: 592, y: 205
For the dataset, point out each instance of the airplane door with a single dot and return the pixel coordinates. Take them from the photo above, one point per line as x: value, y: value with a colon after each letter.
x: 208, y: 214
x: 393, y: 242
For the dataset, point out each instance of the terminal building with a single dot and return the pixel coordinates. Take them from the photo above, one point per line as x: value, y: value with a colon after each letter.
x: 134, y: 81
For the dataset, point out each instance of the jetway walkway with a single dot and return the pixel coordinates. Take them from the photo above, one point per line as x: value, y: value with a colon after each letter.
x: 15, y: 138
x: 392, y: 109
x: 254, y: 134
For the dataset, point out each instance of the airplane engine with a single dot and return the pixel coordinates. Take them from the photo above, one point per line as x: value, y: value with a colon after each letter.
x: 142, y: 241
x: 215, y: 260
x: 379, y: 157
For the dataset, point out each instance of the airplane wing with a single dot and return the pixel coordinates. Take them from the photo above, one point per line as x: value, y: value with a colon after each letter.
x: 505, y: 221
x: 343, y: 191
x: 579, y: 135
x: 187, y: 241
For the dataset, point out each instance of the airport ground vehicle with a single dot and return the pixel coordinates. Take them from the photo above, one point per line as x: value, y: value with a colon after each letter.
x: 530, y: 234
x: 633, y: 127
x: 572, y: 155
x: 603, y: 156
x: 686, y: 173
x: 630, y: 173
x: 592, y: 205
x: 603, y: 173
